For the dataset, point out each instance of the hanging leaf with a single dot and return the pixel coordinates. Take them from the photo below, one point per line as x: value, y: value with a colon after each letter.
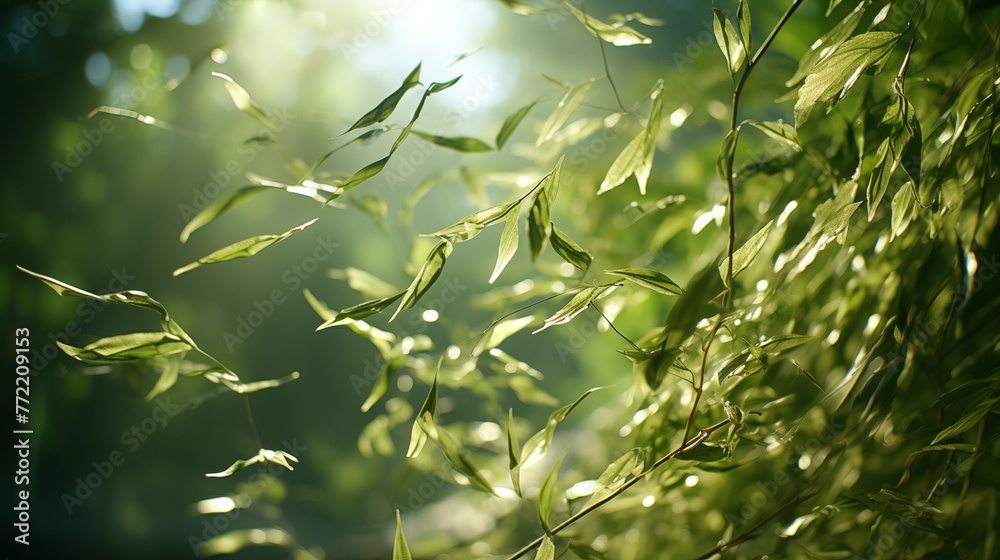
x: 399, y: 549
x: 388, y: 105
x: 459, y: 144
x: 513, y: 454
x: 570, y: 251
x: 426, y: 277
x: 828, y: 43
x: 361, y: 139
x: 501, y: 332
x: 743, y: 17
x: 242, y: 249
x: 656, y: 281
x: 637, y: 157
x: 618, y: 35
x: 243, y: 101
x: 508, y: 242
x: 782, y: 132
x: 220, y: 206
x: 470, y: 226
x: 453, y: 453
x: 745, y: 255
x: 167, y: 379
x: 580, y: 302
x: 835, y: 75
x: 418, y: 436
x: 569, y: 102
x: 545, y: 494
x: 124, y: 347
x: 729, y: 42
x: 381, y: 385
x: 262, y: 456
x: 903, y: 206
x: 510, y: 124
x: 539, y: 216
x: 538, y: 445
x: 360, y: 311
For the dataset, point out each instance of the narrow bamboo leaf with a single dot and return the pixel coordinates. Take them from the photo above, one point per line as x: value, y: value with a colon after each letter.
x: 743, y: 17
x: 637, y: 157
x: 570, y: 251
x: 426, y: 277
x: 463, y: 56
x: 569, y: 102
x: 167, y: 379
x: 124, y: 347
x: 361, y: 139
x: 539, y: 216
x: 782, y: 132
x: 513, y: 454
x: 501, y: 332
x: 220, y: 206
x: 242, y: 249
x: 618, y: 35
x: 380, y: 386
x: 780, y: 343
x: 470, y: 226
x: 546, y: 550
x: 554, y: 82
x: 388, y: 105
x: 538, y: 445
x: 636, y: 16
x: 459, y: 144
x: 545, y: 494
x: 580, y: 302
x: 262, y: 456
x: 652, y: 279
x: 903, y: 205
x: 508, y: 242
x: 454, y: 454
x: 399, y: 549
x: 828, y: 43
x: 366, y: 283
x: 969, y: 418
x: 418, y: 437
x: 243, y: 101
x: 521, y: 8
x: 835, y: 75
x: 618, y: 473
x: 510, y: 124
x: 729, y: 42
x: 745, y: 255
x: 724, y: 166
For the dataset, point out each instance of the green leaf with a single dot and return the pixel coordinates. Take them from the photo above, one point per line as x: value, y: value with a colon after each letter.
x: 376, y: 207
x: 262, y: 456
x: 743, y: 17
x: 453, y: 453
x: 828, y: 43
x: 459, y: 144
x: 360, y: 311
x: 242, y: 249
x: 513, y: 454
x: 508, y: 242
x: 510, y: 124
x: 399, y: 549
x: 901, y: 144
x: 782, y: 132
x: 745, y: 255
x: 361, y: 139
x: 418, y: 436
x: 637, y: 157
x: 618, y: 35
x: 729, y: 42
x: 369, y: 285
x: 835, y: 75
x: 539, y: 216
x: 380, y: 386
x: 124, y: 347
x: 903, y: 205
x: 570, y: 251
x: 425, y: 277
x: 656, y: 281
x: 470, y: 226
x: 970, y: 417
x: 724, y: 165
x: 243, y: 101
x: 546, y: 550
x: 636, y: 16
x: 501, y: 332
x: 538, y: 445
x: 618, y: 473
x: 388, y: 105
x: 220, y: 206
x: 569, y: 102
x: 545, y: 494
x: 167, y: 379
x: 580, y: 302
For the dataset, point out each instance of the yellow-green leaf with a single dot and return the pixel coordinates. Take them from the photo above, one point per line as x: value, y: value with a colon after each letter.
x: 242, y: 249
x: 508, y: 242
x: 388, y: 105
x: 243, y: 101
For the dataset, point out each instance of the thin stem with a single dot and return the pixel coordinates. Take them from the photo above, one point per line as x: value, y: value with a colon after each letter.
x: 612, y: 325
x: 607, y: 74
x: 253, y: 425
x: 751, y: 532
x: 694, y: 442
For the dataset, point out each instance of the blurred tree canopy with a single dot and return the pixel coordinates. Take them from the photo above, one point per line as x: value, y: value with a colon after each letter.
x: 493, y: 279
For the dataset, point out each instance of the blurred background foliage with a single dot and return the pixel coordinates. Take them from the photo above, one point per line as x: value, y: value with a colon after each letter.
x: 98, y: 199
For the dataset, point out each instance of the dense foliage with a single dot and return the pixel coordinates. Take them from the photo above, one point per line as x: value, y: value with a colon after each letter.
x: 789, y: 310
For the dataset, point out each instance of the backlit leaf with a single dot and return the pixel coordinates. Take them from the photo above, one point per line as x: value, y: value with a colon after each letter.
x: 637, y: 157
x: 618, y: 35
x: 470, y: 226
x: 388, y: 105
x: 511, y: 123
x: 743, y: 17
x: 425, y: 277
x: 580, y: 302
x: 220, y: 206
x: 459, y: 144
x: 569, y: 102
x: 418, y: 436
x: 546, y: 491
x: 242, y: 249
x: 729, y: 42
x: 654, y: 280
x: 132, y: 346
x: 243, y: 101
x: 539, y: 216
x: 400, y: 551
x: 828, y: 43
x: 501, y: 332
x: 262, y: 456
x: 513, y: 454
x: 745, y: 255
x: 538, y: 445
x: 570, y: 251
x: 508, y: 242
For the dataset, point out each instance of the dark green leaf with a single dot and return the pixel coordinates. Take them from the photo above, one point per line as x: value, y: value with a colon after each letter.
x: 745, y: 255
x: 570, y: 251
x: 459, y: 144
x: 545, y: 494
x: 511, y: 123
x: 242, y: 249
x: 388, y: 105
x: 539, y: 216
x: 970, y: 417
x: 220, y: 206
x: 426, y: 277
x: 513, y: 454
x: 656, y: 281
